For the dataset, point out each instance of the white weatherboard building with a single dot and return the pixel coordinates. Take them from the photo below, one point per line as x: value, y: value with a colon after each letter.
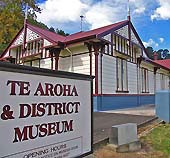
x: 114, y: 54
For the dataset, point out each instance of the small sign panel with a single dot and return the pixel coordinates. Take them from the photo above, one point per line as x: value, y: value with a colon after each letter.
x: 44, y: 116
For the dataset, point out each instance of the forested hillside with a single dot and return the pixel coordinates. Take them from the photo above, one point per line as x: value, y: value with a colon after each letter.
x: 12, y: 14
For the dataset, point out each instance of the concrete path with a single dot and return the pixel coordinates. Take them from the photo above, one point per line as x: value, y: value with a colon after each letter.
x: 104, y: 121
x: 146, y: 110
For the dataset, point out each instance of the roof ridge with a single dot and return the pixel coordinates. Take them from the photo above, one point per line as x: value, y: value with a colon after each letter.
x: 75, y: 36
x: 99, y: 27
x: 45, y: 29
x: 108, y: 25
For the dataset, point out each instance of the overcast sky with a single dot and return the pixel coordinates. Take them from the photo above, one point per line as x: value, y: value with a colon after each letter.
x: 151, y: 18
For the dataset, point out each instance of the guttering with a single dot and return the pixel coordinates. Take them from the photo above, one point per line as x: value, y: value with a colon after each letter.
x: 79, y: 40
x: 154, y: 63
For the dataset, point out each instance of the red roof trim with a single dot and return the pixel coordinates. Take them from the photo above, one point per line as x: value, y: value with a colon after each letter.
x: 42, y: 35
x: 93, y: 33
x: 136, y: 34
x: 155, y: 63
x: 80, y: 39
x: 165, y: 63
x: 113, y: 28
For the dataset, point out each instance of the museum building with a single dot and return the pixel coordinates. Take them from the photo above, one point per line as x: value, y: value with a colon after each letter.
x: 124, y: 75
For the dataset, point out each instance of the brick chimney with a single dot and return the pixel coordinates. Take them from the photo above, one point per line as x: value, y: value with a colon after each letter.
x: 155, y: 55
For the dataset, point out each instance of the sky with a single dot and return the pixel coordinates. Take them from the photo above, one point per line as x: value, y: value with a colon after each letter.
x: 151, y: 18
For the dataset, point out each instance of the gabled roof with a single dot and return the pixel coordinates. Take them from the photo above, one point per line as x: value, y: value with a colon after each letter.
x: 76, y: 36
x: 156, y: 63
x: 55, y: 38
x: 165, y: 63
x: 47, y: 34
x: 95, y: 32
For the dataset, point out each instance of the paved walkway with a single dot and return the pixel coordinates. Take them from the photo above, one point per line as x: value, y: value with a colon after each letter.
x: 104, y: 121
x: 145, y: 110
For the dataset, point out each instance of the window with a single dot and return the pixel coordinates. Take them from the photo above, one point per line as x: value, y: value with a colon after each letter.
x: 120, y: 44
x: 128, y: 48
x: 18, y: 53
x: 117, y: 43
x: 145, y: 80
x: 28, y: 63
x: 134, y: 55
x: 162, y: 81
x: 121, y: 69
x: 34, y: 47
x: 106, y: 47
x: 123, y: 45
x: 36, y: 63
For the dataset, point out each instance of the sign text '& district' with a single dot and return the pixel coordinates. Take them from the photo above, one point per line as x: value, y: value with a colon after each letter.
x: 34, y: 110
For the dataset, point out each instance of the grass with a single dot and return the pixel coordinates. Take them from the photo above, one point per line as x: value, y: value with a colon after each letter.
x: 109, y: 152
x: 156, y: 144
x: 159, y: 138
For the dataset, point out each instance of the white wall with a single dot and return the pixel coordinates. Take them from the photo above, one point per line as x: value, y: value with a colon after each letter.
x: 45, y: 63
x: 64, y: 64
x: 109, y: 74
x: 158, y: 82
x: 151, y: 82
x: 132, y: 78
x: 81, y: 63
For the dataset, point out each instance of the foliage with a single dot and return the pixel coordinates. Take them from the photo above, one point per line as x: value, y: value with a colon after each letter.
x: 61, y: 32
x: 12, y: 18
x: 161, y: 53
x: 150, y: 52
x: 36, y: 23
x: 58, y: 31
x: 52, y: 29
x: 159, y: 138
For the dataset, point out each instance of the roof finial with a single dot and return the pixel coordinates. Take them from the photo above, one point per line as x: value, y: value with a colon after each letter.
x: 129, y: 18
x: 26, y: 12
x: 81, y: 16
x: 155, y: 55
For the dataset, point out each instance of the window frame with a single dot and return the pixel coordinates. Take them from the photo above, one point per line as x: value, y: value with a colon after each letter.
x: 124, y: 78
x: 145, y: 80
x: 162, y: 81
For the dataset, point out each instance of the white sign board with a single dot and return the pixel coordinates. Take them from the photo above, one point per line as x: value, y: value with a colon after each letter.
x: 44, y: 116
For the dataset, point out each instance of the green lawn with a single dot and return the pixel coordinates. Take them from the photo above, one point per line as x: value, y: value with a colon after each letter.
x: 159, y: 138
x: 156, y: 144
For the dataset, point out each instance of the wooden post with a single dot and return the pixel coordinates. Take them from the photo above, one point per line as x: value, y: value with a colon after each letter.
x: 101, y: 66
x: 129, y: 33
x: 89, y: 46
x: 51, y: 61
x: 96, y: 53
x: 54, y: 53
x: 56, y: 61
x: 155, y: 70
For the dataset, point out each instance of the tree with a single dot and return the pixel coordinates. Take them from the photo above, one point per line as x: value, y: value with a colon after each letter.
x: 61, y: 32
x: 165, y: 53
x: 12, y: 18
x: 161, y: 53
x: 150, y: 52
x: 36, y: 23
x: 52, y: 29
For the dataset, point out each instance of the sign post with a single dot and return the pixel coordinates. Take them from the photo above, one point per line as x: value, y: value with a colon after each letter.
x: 44, y: 113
